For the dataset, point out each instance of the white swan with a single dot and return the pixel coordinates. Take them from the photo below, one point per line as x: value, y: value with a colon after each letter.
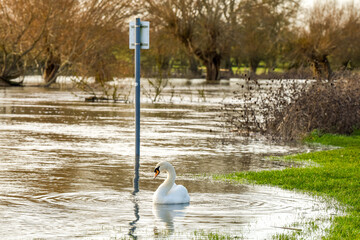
x: 168, y: 192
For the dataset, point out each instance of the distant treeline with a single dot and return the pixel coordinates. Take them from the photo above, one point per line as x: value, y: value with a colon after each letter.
x: 188, y: 38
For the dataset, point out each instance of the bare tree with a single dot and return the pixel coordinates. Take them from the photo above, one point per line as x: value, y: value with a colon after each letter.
x: 60, y: 35
x: 22, y: 26
x: 319, y: 37
x: 204, y: 27
x: 157, y: 61
x: 347, y: 52
x: 261, y: 24
x: 83, y: 37
x: 57, y: 40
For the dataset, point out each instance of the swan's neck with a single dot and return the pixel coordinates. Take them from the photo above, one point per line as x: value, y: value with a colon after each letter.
x: 170, y: 180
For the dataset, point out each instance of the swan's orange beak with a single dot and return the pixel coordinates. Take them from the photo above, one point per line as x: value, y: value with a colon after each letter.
x: 157, y: 171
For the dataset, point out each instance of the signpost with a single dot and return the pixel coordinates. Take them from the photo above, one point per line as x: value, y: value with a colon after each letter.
x: 138, y: 39
x: 144, y: 34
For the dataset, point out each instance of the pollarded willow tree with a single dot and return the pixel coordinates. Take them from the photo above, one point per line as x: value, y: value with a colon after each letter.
x: 61, y: 35
x: 22, y: 26
x: 320, y: 35
x: 203, y: 27
x: 347, y: 53
x: 83, y: 37
x: 261, y: 29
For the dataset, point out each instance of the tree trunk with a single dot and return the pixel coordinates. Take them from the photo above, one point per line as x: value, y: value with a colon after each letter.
x: 228, y: 66
x: 321, y: 68
x: 254, y: 64
x: 327, y: 69
x: 345, y: 65
x: 6, y: 82
x: 213, y: 69
x: 194, y: 66
x: 51, y: 68
x: 50, y: 73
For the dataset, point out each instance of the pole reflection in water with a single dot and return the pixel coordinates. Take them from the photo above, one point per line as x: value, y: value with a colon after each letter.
x: 136, y: 205
x: 133, y: 223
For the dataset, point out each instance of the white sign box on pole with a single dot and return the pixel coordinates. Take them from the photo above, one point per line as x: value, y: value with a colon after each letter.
x: 145, y: 33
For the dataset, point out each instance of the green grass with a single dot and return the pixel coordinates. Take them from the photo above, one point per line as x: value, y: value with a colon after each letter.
x: 199, y: 235
x: 336, y: 175
x: 260, y: 70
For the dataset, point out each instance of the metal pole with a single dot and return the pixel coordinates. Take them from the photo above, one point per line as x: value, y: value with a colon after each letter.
x: 137, y: 86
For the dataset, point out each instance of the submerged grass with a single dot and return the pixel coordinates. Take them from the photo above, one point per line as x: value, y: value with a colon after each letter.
x: 199, y: 235
x: 335, y: 175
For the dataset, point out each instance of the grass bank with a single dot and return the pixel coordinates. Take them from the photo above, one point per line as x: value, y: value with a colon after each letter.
x: 336, y: 174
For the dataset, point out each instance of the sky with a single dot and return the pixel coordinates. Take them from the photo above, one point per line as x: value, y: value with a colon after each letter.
x: 309, y: 3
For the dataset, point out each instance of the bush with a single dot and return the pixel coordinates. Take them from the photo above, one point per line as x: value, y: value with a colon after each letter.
x: 290, y: 109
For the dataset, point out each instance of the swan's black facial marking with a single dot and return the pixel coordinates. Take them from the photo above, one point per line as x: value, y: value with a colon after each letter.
x: 157, y: 171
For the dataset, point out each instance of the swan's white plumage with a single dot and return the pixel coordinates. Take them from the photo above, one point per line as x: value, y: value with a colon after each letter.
x: 168, y: 192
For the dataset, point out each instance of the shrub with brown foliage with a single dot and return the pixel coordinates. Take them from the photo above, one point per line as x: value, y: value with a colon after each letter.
x: 289, y: 109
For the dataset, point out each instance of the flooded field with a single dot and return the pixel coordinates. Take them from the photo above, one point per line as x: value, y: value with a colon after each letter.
x: 67, y: 170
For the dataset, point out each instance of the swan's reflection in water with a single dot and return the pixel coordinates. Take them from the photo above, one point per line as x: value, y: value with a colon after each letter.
x: 167, y: 213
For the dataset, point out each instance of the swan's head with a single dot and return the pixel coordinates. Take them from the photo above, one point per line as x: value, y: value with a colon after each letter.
x: 162, y: 167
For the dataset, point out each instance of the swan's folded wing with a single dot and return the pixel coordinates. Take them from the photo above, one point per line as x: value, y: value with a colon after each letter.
x: 178, y: 194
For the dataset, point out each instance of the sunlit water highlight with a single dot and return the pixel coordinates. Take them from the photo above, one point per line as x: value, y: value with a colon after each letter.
x: 67, y: 169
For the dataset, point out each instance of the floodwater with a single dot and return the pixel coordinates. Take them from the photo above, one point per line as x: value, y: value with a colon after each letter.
x: 67, y: 170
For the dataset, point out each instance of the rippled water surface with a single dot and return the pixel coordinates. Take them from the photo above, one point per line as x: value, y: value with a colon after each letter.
x: 67, y: 170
